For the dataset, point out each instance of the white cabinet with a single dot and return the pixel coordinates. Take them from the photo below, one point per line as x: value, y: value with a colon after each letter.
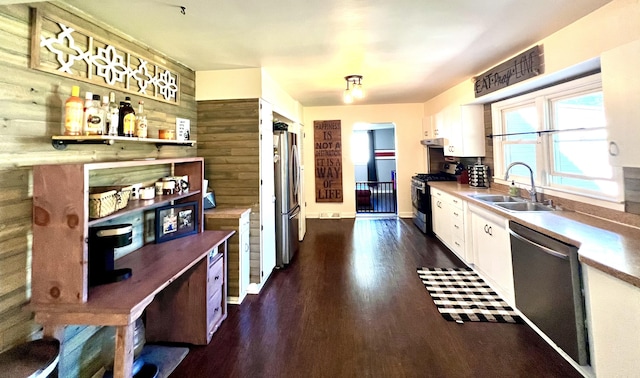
x: 613, y: 324
x: 439, y: 124
x: 440, y: 216
x: 492, y: 251
x: 239, y: 247
x: 449, y: 221
x: 465, y: 131
x: 427, y: 127
x: 620, y: 86
x: 245, y: 253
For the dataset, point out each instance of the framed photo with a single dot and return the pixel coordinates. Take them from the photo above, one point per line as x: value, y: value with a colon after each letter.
x: 176, y: 221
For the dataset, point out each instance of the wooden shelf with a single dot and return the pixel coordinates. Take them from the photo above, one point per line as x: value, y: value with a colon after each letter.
x: 60, y: 142
x: 138, y: 205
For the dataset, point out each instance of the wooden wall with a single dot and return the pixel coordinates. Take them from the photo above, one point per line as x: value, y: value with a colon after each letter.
x: 229, y: 142
x: 30, y: 113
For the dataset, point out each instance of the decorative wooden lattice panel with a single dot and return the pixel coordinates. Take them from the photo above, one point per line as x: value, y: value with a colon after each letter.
x: 64, y: 49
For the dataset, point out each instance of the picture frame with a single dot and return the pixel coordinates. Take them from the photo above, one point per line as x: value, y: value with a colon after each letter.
x: 176, y: 221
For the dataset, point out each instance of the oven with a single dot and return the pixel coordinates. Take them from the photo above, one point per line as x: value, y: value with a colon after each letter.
x: 421, y: 198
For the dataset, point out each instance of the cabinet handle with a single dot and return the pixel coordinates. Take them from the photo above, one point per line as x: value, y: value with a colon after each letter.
x: 454, y: 213
x: 216, y: 278
x: 456, y: 226
x: 490, y: 231
x: 438, y: 204
x: 613, y: 149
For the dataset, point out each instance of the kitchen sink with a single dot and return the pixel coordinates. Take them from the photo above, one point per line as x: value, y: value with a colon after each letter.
x: 496, y: 198
x: 523, y: 206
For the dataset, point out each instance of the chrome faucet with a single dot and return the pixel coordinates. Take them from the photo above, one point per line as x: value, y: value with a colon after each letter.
x: 532, y: 193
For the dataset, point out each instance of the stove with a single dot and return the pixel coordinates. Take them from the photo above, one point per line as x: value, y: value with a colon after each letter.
x: 421, y: 198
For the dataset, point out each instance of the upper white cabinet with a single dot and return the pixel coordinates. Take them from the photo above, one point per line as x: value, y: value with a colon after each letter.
x: 427, y: 127
x: 465, y: 131
x: 621, y: 91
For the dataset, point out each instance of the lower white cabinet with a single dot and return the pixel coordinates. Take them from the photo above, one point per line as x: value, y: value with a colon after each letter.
x: 448, y: 217
x: 492, y: 251
x: 239, y: 247
x: 613, y: 324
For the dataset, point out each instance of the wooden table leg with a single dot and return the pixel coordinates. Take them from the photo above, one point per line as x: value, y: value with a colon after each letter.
x: 123, y: 360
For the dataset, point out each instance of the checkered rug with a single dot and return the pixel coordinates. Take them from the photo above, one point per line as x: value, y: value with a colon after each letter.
x: 461, y: 295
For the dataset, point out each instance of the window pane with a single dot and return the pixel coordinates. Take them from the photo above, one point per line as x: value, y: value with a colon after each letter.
x: 584, y: 111
x: 525, y: 153
x: 581, y: 153
x: 521, y: 120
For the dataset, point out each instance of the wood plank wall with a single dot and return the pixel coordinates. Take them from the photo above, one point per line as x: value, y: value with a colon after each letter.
x: 229, y: 142
x: 30, y: 113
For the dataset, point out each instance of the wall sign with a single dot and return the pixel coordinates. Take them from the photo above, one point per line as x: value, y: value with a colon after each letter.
x: 327, y: 140
x: 522, y: 67
x: 63, y: 49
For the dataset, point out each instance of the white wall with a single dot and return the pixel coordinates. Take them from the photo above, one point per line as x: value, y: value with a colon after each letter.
x: 409, y: 152
x: 246, y: 83
x: 571, y: 50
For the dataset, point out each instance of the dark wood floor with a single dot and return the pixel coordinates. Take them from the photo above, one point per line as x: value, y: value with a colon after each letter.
x: 351, y: 305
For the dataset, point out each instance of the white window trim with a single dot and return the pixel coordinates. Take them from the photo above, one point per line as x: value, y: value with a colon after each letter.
x: 590, y: 83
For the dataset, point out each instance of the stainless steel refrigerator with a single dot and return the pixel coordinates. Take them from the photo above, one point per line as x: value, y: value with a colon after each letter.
x: 287, y: 182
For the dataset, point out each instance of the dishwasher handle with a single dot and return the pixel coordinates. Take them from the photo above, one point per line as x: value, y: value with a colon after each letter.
x: 540, y: 246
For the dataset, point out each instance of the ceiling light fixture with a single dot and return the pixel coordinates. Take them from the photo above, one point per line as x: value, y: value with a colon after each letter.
x: 355, y: 92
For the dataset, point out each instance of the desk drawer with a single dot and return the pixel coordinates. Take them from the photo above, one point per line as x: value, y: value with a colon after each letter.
x: 214, y: 311
x: 215, y: 276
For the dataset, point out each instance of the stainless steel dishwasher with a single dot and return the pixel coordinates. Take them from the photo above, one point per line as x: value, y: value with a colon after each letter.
x: 548, y: 288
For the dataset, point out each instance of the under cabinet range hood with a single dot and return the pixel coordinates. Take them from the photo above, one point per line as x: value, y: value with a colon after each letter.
x: 436, y: 142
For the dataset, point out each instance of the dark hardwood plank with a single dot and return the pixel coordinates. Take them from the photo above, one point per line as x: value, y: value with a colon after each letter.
x: 350, y: 305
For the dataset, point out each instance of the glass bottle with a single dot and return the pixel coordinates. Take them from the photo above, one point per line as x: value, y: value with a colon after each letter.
x: 93, y: 116
x: 104, y: 107
x: 73, y: 113
x: 113, y: 115
x: 127, y: 119
x: 88, y: 102
x: 141, y: 121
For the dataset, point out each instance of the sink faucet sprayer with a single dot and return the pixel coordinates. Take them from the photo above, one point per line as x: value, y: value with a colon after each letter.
x: 532, y: 193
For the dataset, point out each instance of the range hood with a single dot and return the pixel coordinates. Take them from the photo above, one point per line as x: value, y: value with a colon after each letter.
x: 437, y: 142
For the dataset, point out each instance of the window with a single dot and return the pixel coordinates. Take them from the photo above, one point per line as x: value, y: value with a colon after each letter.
x: 560, y: 132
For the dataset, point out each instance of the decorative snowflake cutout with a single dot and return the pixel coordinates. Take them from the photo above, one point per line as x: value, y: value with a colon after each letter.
x: 110, y: 65
x: 167, y: 85
x: 65, y: 34
x: 143, y: 77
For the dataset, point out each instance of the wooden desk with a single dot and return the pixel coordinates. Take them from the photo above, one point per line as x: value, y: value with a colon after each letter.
x: 119, y: 304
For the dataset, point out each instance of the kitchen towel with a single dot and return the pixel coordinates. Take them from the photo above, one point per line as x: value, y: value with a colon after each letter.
x: 461, y: 295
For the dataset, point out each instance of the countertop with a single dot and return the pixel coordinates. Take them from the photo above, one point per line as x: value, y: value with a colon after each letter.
x: 608, y: 246
x: 226, y: 212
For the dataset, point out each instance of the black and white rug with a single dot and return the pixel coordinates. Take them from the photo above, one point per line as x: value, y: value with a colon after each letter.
x: 461, y: 295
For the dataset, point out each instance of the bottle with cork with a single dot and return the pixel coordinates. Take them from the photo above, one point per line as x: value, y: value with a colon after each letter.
x: 127, y: 119
x: 141, y: 121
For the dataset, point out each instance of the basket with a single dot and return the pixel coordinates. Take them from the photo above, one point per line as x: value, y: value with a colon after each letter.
x: 123, y: 197
x: 102, y: 204
x: 107, y: 199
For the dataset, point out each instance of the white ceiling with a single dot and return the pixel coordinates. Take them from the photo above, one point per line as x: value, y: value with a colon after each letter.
x: 407, y: 50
